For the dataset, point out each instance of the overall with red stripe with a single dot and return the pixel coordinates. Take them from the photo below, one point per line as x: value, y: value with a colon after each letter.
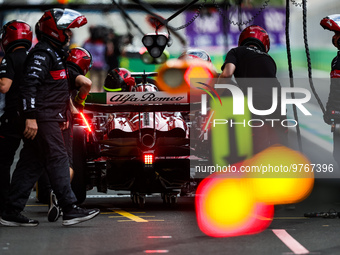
x: 333, y: 103
x: 44, y: 94
x: 332, y: 114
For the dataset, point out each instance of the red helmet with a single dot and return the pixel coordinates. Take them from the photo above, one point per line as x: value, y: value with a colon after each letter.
x: 196, y: 54
x: 119, y: 79
x: 80, y: 58
x: 331, y: 22
x: 16, y: 33
x: 255, y: 35
x: 54, y: 22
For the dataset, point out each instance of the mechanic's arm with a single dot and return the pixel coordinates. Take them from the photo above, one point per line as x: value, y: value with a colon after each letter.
x: 228, y: 71
x: 38, y: 65
x: 6, y: 75
x: 5, y: 85
x: 84, y: 84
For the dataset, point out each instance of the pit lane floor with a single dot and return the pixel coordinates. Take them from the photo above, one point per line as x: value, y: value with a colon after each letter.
x: 122, y: 228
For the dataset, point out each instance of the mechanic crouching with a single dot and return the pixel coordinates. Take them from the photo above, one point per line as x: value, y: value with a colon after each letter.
x: 45, y: 102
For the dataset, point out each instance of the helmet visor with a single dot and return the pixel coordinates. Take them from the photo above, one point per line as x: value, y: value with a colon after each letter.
x: 70, y: 19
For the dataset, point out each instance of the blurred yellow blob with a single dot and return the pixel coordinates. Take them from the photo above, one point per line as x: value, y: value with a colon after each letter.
x: 229, y: 202
x: 226, y: 207
x: 280, y: 175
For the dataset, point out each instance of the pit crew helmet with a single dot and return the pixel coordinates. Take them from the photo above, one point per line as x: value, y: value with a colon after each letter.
x: 16, y: 33
x: 255, y: 35
x: 54, y: 22
x: 119, y: 79
x: 195, y: 54
x: 81, y: 59
x: 332, y: 23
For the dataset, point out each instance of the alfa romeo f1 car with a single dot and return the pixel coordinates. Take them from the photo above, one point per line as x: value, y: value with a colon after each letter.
x: 134, y: 141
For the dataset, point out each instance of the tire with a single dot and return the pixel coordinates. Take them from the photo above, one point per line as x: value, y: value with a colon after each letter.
x: 79, y: 164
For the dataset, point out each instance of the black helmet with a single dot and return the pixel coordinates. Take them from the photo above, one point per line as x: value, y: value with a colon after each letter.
x: 119, y: 79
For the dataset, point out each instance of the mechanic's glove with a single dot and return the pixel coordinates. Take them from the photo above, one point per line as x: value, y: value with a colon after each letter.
x: 79, y: 103
x: 328, y: 119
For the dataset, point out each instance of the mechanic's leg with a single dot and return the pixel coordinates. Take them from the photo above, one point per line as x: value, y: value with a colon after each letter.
x: 68, y: 141
x: 26, y: 173
x: 336, y: 147
x: 43, y: 188
x: 57, y: 163
x: 8, y: 147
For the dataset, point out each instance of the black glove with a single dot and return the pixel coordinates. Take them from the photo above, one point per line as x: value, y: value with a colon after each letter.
x: 328, y: 119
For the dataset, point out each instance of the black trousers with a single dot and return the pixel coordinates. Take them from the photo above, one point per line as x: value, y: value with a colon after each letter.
x: 10, y: 137
x: 44, y: 186
x: 336, y: 147
x: 46, y: 151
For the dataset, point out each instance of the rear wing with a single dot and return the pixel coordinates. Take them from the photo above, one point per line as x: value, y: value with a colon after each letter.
x: 137, y: 102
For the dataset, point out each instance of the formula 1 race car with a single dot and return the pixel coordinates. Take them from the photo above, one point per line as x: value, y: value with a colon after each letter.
x: 133, y: 141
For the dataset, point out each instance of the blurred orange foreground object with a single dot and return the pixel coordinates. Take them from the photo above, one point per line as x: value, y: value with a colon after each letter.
x: 174, y: 76
x: 233, y: 204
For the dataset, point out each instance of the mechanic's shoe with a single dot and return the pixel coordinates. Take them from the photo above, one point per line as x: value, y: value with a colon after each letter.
x: 54, y: 209
x: 77, y: 215
x: 17, y: 220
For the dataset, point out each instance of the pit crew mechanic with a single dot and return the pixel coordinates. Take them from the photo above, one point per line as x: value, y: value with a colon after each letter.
x: 16, y: 41
x: 45, y: 101
x: 79, y: 62
x: 251, y: 60
x: 332, y: 114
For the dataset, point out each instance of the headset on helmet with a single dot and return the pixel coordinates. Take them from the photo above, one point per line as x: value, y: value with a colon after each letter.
x: 119, y: 79
x: 16, y: 33
x: 54, y: 22
x: 195, y: 54
x: 81, y: 59
x: 332, y: 23
x: 255, y: 35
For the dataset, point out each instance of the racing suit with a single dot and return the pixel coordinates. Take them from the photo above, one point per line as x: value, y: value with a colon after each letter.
x: 332, y: 114
x: 45, y: 96
x: 11, y: 127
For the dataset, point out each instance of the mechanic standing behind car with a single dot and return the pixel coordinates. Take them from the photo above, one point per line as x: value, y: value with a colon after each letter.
x: 16, y: 40
x: 332, y: 114
x: 251, y: 60
x: 79, y: 62
x: 45, y: 102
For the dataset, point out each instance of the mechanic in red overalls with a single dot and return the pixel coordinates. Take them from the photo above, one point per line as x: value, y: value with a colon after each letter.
x: 251, y: 60
x: 16, y: 40
x: 45, y: 103
x: 332, y: 114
